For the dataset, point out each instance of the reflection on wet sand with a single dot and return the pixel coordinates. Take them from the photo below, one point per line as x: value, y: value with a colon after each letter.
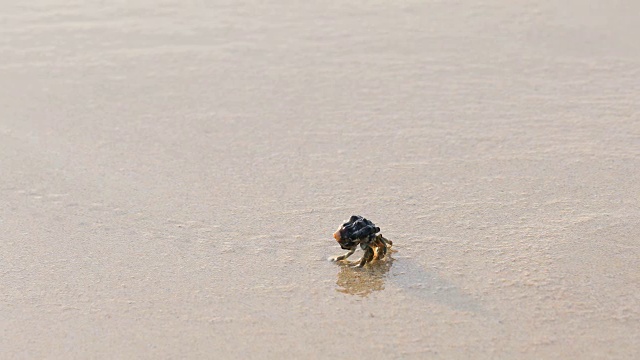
x: 364, y: 281
x: 409, y: 276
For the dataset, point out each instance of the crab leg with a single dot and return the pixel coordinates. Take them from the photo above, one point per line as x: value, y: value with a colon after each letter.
x: 368, y: 256
x: 342, y: 257
x: 381, y: 250
x: 384, y: 240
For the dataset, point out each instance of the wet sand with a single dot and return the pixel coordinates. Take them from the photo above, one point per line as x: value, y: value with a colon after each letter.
x: 171, y: 176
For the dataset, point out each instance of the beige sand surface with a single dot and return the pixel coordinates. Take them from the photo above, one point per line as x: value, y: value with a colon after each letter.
x: 171, y: 174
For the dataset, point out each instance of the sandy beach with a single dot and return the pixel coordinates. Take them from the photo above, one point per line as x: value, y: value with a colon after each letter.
x: 171, y: 175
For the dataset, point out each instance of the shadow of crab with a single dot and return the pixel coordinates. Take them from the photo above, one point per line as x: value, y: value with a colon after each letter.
x: 363, y: 281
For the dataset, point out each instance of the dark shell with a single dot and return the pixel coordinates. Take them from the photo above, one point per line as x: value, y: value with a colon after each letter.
x: 358, y: 228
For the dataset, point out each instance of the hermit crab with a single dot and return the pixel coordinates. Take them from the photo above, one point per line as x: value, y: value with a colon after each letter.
x: 360, y: 231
